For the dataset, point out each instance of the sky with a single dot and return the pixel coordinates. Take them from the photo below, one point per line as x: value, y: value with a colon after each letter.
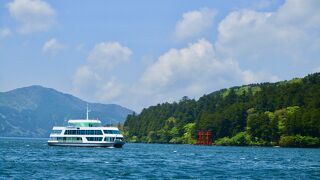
x: 141, y: 53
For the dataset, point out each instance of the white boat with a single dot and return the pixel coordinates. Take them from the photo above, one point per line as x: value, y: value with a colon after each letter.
x: 86, y: 133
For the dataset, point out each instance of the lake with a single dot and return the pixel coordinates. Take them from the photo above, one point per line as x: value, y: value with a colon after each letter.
x: 33, y: 158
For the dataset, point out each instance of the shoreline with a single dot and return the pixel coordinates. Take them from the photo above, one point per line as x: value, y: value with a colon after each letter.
x: 30, y: 138
x: 226, y: 146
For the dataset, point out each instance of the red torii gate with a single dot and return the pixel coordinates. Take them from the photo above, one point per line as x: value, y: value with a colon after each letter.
x: 204, y: 138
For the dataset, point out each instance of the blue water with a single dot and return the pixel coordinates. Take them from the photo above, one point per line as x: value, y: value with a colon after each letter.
x: 32, y: 158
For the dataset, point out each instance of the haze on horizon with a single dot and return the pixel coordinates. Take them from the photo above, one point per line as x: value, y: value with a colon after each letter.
x: 140, y: 53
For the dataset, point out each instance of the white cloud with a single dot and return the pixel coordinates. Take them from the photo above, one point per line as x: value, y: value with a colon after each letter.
x: 93, y: 80
x: 52, y: 46
x: 251, y: 47
x: 5, y: 32
x: 109, y: 90
x: 84, y: 76
x: 287, y: 39
x: 194, y: 22
x: 300, y: 14
x: 107, y: 55
x: 95, y: 86
x: 85, y: 81
x: 193, y: 71
x: 262, y: 4
x: 34, y: 15
x: 317, y: 69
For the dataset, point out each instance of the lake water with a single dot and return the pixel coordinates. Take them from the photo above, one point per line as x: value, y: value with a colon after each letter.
x: 32, y: 158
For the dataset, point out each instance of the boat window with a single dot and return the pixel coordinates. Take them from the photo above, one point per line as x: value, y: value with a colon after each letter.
x: 83, y: 132
x: 94, y: 138
x: 107, y: 131
x: 99, y: 132
x: 119, y: 138
x: 111, y: 131
x: 69, y: 139
x: 109, y: 139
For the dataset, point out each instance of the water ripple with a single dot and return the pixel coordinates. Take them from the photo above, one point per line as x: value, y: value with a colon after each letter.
x: 33, y: 159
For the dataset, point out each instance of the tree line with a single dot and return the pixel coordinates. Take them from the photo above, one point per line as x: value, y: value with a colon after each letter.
x: 285, y: 113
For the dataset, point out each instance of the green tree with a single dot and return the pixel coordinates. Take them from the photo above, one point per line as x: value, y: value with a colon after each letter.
x: 259, y: 127
x: 265, y: 111
x: 189, y: 133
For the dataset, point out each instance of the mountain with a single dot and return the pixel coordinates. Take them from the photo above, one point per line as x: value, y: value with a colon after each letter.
x: 32, y: 111
x: 285, y: 113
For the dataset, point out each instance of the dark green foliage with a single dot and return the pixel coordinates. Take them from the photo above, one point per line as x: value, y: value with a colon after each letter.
x: 240, y: 139
x: 166, y: 122
x: 264, y: 112
x: 299, y: 141
x: 260, y: 127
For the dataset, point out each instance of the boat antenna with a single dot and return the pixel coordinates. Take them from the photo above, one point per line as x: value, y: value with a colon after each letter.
x: 87, y: 112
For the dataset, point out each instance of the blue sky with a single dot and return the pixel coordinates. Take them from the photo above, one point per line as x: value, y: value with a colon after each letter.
x: 140, y: 53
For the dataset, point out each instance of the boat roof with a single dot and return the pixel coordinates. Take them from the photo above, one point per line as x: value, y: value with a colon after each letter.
x: 87, y: 128
x: 84, y: 121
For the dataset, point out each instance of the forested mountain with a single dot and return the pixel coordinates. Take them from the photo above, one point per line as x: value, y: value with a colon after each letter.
x: 32, y: 111
x: 285, y: 113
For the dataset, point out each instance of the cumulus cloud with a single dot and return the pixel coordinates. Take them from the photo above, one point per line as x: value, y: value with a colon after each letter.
x: 52, y: 46
x: 251, y: 47
x: 194, y: 71
x: 110, y: 90
x: 93, y: 80
x: 194, y: 22
x: 85, y: 81
x: 107, y: 55
x: 34, y: 15
x: 84, y: 76
x: 96, y: 86
x: 5, y: 32
x: 287, y: 39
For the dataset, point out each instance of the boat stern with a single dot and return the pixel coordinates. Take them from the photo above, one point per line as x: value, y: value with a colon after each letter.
x: 118, y: 144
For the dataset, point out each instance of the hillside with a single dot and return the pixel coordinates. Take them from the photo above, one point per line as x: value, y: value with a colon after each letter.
x: 285, y: 113
x: 32, y: 111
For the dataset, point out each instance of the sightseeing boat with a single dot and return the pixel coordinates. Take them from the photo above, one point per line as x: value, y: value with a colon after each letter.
x: 86, y: 133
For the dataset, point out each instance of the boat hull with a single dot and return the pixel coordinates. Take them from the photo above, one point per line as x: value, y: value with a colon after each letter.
x: 106, y: 145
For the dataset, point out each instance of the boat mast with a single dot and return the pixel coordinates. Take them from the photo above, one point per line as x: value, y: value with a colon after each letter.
x: 87, y: 112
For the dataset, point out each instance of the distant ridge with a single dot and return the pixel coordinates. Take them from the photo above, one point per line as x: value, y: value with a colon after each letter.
x: 32, y: 111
